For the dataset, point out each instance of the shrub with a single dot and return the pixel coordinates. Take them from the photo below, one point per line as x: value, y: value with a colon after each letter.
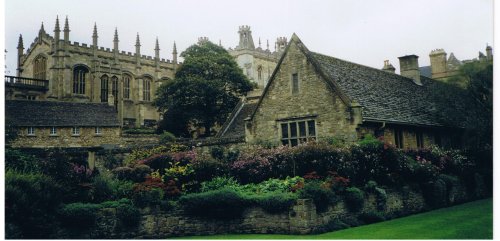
x: 435, y: 193
x: 19, y: 161
x: 126, y: 212
x: 372, y: 217
x: 354, y: 199
x: 166, y: 137
x: 136, y: 174
x: 149, y: 193
x: 222, y: 203
x: 381, y: 198
x: 79, y: 215
x: 321, y: 196
x: 31, y: 201
x: 219, y: 183
x: 208, y: 168
x: 276, y: 202
x: 110, y: 161
x: 277, y: 185
x: 217, y: 152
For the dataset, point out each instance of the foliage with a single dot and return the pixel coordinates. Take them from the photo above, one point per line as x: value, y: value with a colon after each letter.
x: 126, y: 212
x: 79, y: 215
x: 217, y: 152
x: 372, y: 217
x: 19, y: 161
x: 166, y: 137
x: 136, y: 174
x: 321, y: 196
x: 221, y: 203
x: 354, y: 199
x: 140, y: 154
x: 205, y: 89
x: 139, y: 131
x: 106, y: 187
x: 30, y: 203
x: 110, y: 161
x: 219, y: 183
x: 276, y: 202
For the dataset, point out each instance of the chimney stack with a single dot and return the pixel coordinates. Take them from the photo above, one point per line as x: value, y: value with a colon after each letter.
x: 388, y: 67
x: 408, y: 66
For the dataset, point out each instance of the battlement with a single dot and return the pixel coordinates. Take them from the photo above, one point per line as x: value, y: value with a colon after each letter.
x: 437, y: 52
x: 244, y: 28
x: 202, y: 40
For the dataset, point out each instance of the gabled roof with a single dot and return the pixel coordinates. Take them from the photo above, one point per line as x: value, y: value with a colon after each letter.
x: 386, y: 96
x: 57, y: 113
x: 235, y: 125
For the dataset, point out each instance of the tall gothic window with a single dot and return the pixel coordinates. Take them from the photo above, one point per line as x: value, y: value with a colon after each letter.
x: 146, y: 89
x: 40, y: 67
x: 104, y: 88
x: 259, y: 73
x: 79, y: 75
x: 126, y: 87
x: 114, y: 86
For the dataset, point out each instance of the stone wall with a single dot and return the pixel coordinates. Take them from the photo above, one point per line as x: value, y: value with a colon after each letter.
x: 302, y: 218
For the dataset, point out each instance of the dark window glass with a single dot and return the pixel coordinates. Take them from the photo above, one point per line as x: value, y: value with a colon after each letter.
x: 302, y: 129
x: 295, y: 83
x: 437, y: 139
x: 420, y: 140
x: 293, y: 142
x: 398, y: 138
x: 293, y: 130
x: 312, y: 128
x: 284, y: 130
x: 104, y: 88
x: 79, y: 74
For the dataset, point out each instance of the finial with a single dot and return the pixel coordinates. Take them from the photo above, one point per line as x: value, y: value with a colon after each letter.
x: 137, y: 41
x: 20, y: 43
x: 66, y: 24
x: 259, y: 42
x: 95, y: 30
x: 115, y: 39
x: 157, y: 47
x: 42, y: 29
x: 267, y: 44
x: 57, y: 24
x: 175, y: 49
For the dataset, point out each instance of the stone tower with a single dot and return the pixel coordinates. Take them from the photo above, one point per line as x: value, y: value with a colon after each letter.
x: 438, y: 63
x: 246, y: 40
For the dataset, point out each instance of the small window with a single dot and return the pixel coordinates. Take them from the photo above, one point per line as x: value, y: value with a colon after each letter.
x: 296, y: 132
x: 53, y: 131
x: 420, y: 140
x: 104, y: 88
x: 98, y: 130
x: 398, y: 138
x: 31, y: 131
x: 295, y: 83
x: 146, y: 89
x: 75, y: 131
x: 126, y: 87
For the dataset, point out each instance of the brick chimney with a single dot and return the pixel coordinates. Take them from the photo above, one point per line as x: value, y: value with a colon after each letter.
x: 408, y: 66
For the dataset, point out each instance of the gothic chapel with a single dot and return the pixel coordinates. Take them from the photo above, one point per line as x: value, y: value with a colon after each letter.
x: 78, y: 72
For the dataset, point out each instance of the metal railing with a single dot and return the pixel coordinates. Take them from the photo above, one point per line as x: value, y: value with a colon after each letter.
x: 27, y: 82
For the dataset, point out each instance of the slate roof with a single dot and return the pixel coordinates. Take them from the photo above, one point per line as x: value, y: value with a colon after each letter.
x: 235, y: 125
x: 57, y: 113
x: 394, y: 98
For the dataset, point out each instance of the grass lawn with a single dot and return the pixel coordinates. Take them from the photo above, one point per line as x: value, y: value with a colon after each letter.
x: 472, y: 220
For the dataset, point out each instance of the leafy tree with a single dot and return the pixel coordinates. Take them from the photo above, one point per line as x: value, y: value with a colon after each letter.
x: 205, y: 89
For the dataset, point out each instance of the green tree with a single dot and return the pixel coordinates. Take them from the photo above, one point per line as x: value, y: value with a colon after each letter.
x: 205, y: 89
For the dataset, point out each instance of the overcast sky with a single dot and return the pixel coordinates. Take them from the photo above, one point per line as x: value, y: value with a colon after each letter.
x: 365, y: 32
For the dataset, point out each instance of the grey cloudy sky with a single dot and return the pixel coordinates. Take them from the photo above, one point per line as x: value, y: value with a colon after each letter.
x: 365, y: 32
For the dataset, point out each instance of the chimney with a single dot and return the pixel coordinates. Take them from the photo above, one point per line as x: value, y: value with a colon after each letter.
x: 388, y: 67
x: 408, y: 66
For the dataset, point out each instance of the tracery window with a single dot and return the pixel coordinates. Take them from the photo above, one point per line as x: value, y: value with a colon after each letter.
x: 126, y: 87
x: 104, y: 88
x: 79, y: 75
x: 146, y: 89
x: 40, y: 67
x: 114, y: 87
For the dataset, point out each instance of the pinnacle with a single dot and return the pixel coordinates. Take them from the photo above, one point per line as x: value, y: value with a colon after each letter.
x: 95, y: 30
x: 116, y: 35
x: 57, y: 24
x: 66, y: 24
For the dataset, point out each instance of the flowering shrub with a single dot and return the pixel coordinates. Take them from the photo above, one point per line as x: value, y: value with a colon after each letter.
x: 253, y: 166
x: 321, y: 196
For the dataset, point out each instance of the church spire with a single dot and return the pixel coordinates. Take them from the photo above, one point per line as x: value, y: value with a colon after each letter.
x: 20, y: 52
x: 115, y: 45
x: 20, y: 43
x: 157, y: 55
x: 57, y: 32
x: 174, y: 57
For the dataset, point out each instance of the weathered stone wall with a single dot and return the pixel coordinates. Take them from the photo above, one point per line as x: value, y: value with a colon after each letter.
x: 302, y: 218
x: 314, y: 100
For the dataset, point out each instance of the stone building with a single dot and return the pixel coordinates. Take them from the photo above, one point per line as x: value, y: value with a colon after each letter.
x: 443, y: 67
x: 257, y: 63
x: 46, y: 124
x: 54, y: 68
x: 314, y: 96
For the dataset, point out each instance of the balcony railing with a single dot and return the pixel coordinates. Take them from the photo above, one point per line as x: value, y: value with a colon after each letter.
x: 22, y: 82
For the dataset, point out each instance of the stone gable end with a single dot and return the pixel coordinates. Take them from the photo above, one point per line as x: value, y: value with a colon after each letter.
x: 314, y: 100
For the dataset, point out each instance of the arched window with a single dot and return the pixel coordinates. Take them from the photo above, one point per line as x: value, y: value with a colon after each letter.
x: 146, y: 89
x: 79, y: 75
x: 104, y: 88
x: 126, y: 86
x: 40, y: 67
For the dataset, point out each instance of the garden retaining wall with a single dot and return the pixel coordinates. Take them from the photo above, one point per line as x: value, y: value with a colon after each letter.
x: 302, y: 218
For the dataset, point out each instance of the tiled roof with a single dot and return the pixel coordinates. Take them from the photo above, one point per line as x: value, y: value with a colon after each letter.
x: 394, y: 98
x: 56, y: 113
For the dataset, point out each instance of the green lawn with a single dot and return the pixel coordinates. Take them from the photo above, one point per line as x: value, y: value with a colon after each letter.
x: 472, y: 220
